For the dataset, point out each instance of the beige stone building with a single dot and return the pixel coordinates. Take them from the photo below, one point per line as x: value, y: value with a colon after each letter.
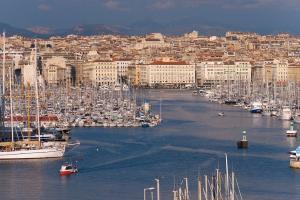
x: 294, y: 72
x: 122, y: 66
x: 167, y: 73
x: 100, y: 72
x: 218, y: 72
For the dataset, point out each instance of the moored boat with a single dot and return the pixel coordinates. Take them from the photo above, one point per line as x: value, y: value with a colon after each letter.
x: 256, y: 107
x: 24, y: 153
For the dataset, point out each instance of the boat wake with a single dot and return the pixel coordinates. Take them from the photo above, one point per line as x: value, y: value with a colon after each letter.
x: 126, y: 162
x: 219, y: 153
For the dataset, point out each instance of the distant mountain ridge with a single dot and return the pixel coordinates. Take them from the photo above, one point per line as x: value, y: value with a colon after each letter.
x: 92, y: 29
x: 137, y: 28
x: 10, y: 30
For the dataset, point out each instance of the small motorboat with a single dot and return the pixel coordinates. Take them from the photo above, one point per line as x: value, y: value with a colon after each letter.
x: 291, y: 132
x: 221, y: 114
x: 67, y: 169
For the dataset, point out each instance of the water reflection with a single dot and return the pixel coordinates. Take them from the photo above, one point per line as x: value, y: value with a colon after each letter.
x: 291, y: 141
x: 285, y: 124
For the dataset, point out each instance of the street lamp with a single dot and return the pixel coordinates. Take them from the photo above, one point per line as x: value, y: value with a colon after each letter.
x: 147, y: 189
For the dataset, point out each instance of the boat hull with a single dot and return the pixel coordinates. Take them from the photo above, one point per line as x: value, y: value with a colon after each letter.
x: 32, y: 154
x: 257, y: 110
x: 68, y: 172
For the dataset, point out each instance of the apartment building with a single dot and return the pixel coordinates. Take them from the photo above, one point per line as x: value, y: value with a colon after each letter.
x: 167, y: 73
x: 100, y: 72
x: 217, y: 72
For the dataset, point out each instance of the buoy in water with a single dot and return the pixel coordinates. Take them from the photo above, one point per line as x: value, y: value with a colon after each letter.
x: 243, y: 144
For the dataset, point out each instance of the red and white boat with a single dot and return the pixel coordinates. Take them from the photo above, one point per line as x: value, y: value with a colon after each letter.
x: 67, y: 169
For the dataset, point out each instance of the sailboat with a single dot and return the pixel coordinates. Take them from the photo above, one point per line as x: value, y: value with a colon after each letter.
x: 14, y: 150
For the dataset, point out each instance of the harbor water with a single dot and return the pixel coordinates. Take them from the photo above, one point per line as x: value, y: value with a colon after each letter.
x: 118, y: 163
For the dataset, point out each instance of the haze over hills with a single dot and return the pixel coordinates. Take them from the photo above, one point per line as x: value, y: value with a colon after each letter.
x: 137, y: 28
x: 10, y: 30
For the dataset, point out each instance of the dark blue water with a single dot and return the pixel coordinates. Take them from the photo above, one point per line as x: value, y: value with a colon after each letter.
x: 191, y: 140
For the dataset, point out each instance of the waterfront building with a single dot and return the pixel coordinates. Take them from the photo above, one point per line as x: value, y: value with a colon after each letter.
x: 122, y: 66
x: 217, y: 72
x: 101, y: 72
x: 257, y: 72
x: 281, y: 75
x: 270, y: 58
x: 275, y: 71
x: 294, y: 72
x: 167, y: 72
x: 134, y: 75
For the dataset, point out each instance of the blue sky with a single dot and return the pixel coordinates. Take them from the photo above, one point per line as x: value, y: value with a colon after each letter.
x: 266, y: 16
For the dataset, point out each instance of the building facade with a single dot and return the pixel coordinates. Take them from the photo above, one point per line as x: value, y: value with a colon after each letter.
x: 217, y: 72
x: 167, y: 73
x: 101, y: 72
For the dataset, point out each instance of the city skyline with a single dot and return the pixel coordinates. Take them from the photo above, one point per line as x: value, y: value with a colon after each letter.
x: 262, y: 16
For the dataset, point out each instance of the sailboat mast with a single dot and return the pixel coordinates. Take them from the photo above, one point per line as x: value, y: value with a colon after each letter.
x: 3, y: 81
x: 160, y: 109
x: 3, y: 65
x: 11, y: 105
x: 227, y: 179
x: 37, y: 93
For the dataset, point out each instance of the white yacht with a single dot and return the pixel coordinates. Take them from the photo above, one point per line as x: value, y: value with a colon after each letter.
x: 31, y: 153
